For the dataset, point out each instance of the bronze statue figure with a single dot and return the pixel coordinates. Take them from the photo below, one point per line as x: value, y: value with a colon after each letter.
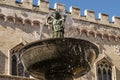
x: 56, y: 21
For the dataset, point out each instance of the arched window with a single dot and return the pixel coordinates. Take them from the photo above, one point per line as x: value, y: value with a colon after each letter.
x: 14, y: 65
x: 99, y: 76
x: 17, y: 68
x: 104, y: 70
x: 109, y: 75
x: 104, y: 74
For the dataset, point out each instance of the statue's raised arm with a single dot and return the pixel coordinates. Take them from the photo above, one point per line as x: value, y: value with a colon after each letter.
x: 56, y: 21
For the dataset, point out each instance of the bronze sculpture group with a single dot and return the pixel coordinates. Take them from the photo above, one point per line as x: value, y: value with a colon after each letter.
x: 56, y: 21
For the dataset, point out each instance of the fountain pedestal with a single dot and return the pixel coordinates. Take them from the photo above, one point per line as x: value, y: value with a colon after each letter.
x: 58, y: 58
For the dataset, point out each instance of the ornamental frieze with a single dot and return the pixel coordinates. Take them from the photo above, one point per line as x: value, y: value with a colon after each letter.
x: 89, y: 27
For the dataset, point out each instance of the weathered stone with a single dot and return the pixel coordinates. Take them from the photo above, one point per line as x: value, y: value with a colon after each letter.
x: 16, y: 26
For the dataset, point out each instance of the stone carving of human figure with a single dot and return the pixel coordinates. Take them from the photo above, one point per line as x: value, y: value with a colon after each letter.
x: 56, y: 21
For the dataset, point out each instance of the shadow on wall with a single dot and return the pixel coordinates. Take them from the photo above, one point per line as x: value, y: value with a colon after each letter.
x: 24, y: 27
x: 27, y: 27
x: 2, y: 62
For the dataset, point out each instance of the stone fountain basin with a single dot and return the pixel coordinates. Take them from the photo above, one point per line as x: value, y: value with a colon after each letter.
x: 58, y: 55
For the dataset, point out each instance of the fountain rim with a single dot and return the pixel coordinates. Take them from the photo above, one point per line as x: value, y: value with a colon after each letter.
x: 40, y: 41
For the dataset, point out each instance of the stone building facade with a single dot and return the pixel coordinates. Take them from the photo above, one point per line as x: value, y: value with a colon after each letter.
x: 22, y: 23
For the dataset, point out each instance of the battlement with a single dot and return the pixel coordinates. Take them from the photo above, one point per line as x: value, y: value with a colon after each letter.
x: 28, y: 4
x: 43, y: 6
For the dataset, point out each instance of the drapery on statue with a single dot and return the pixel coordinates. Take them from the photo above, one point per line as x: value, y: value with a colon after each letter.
x: 56, y: 21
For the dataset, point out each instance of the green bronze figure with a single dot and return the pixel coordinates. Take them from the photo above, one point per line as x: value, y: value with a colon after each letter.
x: 56, y: 21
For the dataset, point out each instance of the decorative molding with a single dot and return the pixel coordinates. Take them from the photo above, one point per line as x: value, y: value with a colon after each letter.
x: 79, y: 27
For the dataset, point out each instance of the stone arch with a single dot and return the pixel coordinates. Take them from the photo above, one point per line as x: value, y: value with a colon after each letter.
x: 10, y: 19
x: 2, y: 17
x: 104, y: 69
x: 17, y: 68
x: 16, y: 48
x: 36, y: 23
x: 19, y: 20
x: 28, y: 22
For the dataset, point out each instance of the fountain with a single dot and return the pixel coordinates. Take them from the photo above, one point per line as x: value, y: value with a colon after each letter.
x: 58, y: 58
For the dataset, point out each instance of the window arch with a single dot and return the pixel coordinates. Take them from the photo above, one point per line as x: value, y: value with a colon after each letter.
x: 14, y: 65
x: 104, y: 70
x: 17, y: 68
x: 104, y: 74
x: 99, y: 74
x: 109, y: 75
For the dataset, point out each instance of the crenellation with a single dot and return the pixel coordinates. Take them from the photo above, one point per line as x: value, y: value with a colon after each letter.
x: 27, y: 4
x: 104, y: 18
x: 116, y: 21
x: 75, y: 12
x: 24, y: 17
x: 59, y: 7
x: 90, y: 15
x: 35, y: 8
x: 44, y: 6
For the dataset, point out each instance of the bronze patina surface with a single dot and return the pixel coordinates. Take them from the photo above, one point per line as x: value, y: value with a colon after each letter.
x: 56, y: 21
